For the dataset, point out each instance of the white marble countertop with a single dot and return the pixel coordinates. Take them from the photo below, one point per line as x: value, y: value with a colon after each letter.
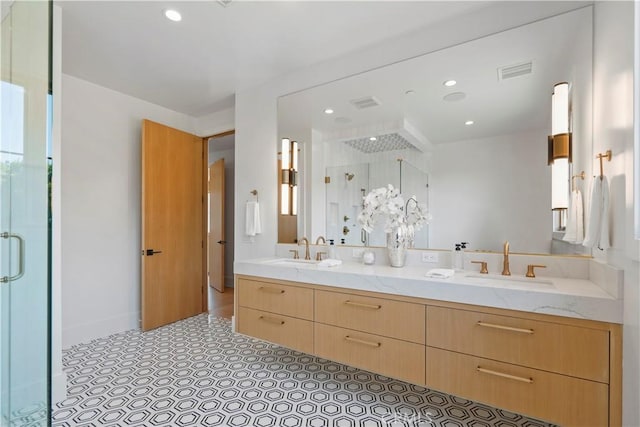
x: 569, y: 297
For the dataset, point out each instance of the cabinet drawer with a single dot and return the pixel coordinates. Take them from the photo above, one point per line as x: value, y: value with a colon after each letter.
x: 394, y: 319
x: 570, y: 350
x: 386, y: 356
x: 551, y: 397
x: 287, y: 331
x: 275, y: 298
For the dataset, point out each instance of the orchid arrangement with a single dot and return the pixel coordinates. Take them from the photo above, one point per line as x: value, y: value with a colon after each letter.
x: 388, y: 203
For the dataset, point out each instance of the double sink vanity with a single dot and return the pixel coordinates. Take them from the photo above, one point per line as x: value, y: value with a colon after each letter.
x: 546, y: 347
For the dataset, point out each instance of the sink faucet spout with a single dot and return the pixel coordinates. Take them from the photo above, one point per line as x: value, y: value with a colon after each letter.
x: 307, y: 255
x: 505, y: 262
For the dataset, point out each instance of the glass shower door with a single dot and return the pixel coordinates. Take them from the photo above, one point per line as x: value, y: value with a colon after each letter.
x: 24, y: 281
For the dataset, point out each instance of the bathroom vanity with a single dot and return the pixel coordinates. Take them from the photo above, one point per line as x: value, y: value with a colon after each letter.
x: 549, y: 349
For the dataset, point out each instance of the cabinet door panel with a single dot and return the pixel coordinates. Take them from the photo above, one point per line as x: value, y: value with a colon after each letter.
x: 570, y: 350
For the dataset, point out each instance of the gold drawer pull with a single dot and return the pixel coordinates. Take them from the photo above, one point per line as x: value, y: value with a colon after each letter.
x: 503, y: 375
x: 505, y: 328
x: 272, y: 320
x: 272, y: 290
x: 359, y: 341
x: 363, y: 305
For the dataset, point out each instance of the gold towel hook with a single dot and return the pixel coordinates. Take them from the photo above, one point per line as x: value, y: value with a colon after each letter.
x: 573, y: 180
x: 601, y: 156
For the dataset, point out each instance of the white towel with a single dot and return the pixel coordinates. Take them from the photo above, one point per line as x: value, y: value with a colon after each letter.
x: 597, y: 232
x: 252, y: 219
x: 330, y: 262
x: 575, y: 219
x: 440, y: 273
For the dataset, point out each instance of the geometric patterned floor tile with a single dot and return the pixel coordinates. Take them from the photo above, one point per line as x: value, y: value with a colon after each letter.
x: 197, y: 372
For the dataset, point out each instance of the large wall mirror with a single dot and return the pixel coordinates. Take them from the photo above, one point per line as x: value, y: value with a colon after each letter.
x: 475, y: 151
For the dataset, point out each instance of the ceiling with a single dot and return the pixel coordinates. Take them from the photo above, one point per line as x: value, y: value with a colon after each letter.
x: 195, y: 66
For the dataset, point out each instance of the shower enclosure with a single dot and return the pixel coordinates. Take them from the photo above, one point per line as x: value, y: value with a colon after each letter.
x: 24, y: 230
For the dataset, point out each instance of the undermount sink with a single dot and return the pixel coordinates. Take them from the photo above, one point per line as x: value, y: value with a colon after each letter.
x: 510, y: 280
x: 292, y: 262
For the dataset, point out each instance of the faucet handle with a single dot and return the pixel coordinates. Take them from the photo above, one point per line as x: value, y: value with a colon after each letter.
x: 319, y: 255
x: 483, y: 266
x: 295, y: 253
x: 530, y: 269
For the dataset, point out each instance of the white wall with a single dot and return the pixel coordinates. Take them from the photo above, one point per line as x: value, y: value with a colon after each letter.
x: 100, y: 207
x: 256, y: 115
x: 473, y: 191
x: 613, y: 129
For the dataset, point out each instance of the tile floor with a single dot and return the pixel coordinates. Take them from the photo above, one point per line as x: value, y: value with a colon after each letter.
x: 197, y: 372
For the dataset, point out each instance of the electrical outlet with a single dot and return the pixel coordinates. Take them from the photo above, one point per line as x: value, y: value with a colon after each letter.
x: 357, y: 253
x: 430, y: 257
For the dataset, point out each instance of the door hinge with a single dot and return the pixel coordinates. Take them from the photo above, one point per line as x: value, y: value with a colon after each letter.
x: 327, y: 180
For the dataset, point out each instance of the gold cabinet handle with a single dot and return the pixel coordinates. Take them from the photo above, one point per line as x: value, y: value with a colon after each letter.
x: 272, y: 320
x: 359, y: 341
x: 503, y: 375
x: 271, y: 290
x: 504, y: 328
x: 363, y: 305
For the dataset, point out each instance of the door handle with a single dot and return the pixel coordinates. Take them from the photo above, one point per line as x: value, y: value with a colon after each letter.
x: 151, y: 252
x: 222, y: 242
x: 6, y: 279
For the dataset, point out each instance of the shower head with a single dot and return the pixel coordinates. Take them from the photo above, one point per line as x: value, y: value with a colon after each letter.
x: 349, y: 176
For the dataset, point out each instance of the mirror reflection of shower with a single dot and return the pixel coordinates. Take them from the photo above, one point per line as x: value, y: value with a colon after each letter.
x: 348, y: 176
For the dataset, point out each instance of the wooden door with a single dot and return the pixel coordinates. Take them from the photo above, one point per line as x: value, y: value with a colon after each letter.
x: 216, y: 225
x: 172, y: 225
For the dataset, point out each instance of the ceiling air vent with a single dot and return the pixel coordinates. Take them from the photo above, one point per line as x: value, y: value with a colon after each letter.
x: 366, y: 102
x: 511, y: 71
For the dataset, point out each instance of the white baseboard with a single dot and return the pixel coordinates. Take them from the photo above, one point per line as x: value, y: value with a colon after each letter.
x: 91, y: 330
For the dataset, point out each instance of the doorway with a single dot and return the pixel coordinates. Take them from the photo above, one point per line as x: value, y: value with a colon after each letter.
x: 222, y: 147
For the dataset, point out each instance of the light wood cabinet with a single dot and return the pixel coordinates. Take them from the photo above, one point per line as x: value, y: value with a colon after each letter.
x: 387, y: 356
x: 275, y: 297
x: 288, y: 331
x: 560, y: 399
x: 561, y: 370
x: 571, y: 350
x: 381, y: 316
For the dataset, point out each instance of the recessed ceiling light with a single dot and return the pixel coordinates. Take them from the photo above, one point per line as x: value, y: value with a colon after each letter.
x: 468, y: 122
x: 455, y: 96
x: 373, y: 138
x: 450, y: 83
x: 328, y: 111
x: 173, y: 15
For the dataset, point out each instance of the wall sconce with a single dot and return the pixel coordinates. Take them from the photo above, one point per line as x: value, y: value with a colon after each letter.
x: 559, y: 151
x: 289, y: 178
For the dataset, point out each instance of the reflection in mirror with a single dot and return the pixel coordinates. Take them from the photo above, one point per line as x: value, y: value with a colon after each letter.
x: 474, y: 151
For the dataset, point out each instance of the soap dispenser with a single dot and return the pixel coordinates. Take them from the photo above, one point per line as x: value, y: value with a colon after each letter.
x: 463, y: 246
x: 456, y: 257
x: 332, y: 250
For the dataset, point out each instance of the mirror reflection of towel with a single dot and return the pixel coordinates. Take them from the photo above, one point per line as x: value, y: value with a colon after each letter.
x: 575, y: 219
x: 252, y: 219
x: 597, y: 233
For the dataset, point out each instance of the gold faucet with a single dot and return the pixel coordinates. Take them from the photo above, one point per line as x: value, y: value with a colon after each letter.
x: 505, y: 263
x: 307, y: 255
x: 324, y: 242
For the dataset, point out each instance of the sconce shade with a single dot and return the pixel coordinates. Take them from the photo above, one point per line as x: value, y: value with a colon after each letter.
x: 289, y: 178
x: 559, y: 143
x: 560, y: 184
